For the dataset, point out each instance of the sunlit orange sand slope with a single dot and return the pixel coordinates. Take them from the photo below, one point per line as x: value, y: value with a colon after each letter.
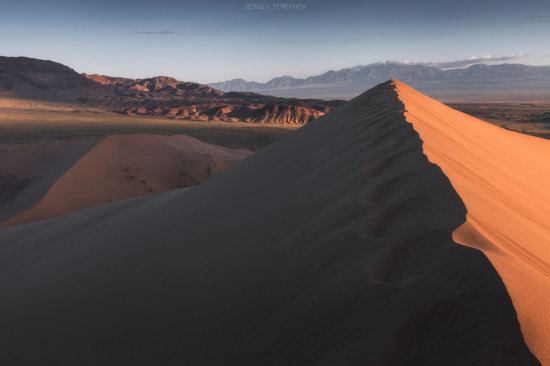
x: 503, y: 178
x: 128, y: 166
x: 332, y: 246
x: 28, y: 171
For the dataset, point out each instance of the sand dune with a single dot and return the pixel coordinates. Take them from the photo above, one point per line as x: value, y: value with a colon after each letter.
x: 28, y: 171
x: 128, y: 166
x: 503, y: 178
x: 332, y: 246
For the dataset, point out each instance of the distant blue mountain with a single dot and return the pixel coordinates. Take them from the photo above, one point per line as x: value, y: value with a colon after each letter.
x: 373, y: 74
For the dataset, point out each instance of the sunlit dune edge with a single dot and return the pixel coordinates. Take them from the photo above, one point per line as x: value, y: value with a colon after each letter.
x: 503, y: 178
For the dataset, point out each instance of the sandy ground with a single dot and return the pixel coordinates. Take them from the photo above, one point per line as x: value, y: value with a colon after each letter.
x: 529, y: 118
x: 503, y: 178
x: 121, y: 167
x: 37, y: 122
x: 331, y: 246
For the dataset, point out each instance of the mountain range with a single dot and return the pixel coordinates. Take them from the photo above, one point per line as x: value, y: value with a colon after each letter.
x: 478, y: 79
x: 161, y: 96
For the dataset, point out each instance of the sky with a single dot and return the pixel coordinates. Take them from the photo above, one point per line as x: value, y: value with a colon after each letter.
x: 214, y: 40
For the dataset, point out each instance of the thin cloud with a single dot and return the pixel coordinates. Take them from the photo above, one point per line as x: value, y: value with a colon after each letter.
x: 161, y: 32
x: 538, y: 18
x: 467, y: 62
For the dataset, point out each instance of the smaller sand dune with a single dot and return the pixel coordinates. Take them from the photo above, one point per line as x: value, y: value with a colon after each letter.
x: 28, y: 171
x: 127, y: 166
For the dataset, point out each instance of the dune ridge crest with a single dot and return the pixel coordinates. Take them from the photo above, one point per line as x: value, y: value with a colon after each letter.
x: 503, y: 178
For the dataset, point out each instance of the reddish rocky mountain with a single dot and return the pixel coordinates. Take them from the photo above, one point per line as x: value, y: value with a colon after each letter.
x: 170, y: 98
x: 166, y: 97
x: 28, y: 78
x: 160, y: 84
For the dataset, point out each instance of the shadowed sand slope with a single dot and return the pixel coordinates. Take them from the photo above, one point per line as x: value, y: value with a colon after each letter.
x: 332, y: 246
x: 503, y: 178
x: 128, y: 166
x: 28, y: 171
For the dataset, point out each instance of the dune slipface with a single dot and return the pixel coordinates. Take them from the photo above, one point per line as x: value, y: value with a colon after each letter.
x: 503, y: 178
x: 332, y: 246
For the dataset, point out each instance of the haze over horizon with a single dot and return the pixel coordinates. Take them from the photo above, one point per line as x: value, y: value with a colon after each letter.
x: 214, y: 40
